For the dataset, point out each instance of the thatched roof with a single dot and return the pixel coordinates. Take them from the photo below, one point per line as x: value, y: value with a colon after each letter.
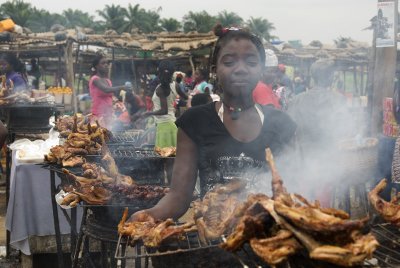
x: 355, y: 54
x: 160, y: 41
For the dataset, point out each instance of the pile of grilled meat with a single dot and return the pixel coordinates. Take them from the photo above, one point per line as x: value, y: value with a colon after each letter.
x: 72, y: 124
x: 275, y: 228
x: 100, y: 186
x: 79, y: 142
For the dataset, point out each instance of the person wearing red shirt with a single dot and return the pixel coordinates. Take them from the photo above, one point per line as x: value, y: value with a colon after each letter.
x: 263, y: 93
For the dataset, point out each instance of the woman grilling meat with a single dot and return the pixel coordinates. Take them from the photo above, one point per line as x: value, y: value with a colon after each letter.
x: 101, y: 91
x: 215, y: 135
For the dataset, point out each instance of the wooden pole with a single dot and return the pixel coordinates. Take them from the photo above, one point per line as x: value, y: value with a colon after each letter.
x: 69, y: 66
x: 383, y: 80
x: 59, y: 81
x: 355, y: 80
x: 362, y: 89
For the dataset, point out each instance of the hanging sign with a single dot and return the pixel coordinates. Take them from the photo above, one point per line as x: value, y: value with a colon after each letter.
x: 385, y: 36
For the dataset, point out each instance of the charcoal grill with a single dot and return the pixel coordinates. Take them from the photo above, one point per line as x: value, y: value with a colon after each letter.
x: 387, y: 255
x: 188, y: 247
x: 28, y: 118
x: 143, y: 165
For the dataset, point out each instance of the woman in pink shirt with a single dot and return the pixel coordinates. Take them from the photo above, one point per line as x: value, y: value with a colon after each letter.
x: 101, y: 91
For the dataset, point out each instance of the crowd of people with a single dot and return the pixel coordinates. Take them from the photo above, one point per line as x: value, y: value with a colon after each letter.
x: 166, y: 95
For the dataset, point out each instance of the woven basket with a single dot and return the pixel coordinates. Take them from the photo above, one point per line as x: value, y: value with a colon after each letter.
x: 359, y: 162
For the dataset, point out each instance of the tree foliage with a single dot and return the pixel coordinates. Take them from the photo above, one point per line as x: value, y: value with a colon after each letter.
x: 198, y: 21
x: 261, y: 27
x: 78, y: 18
x: 113, y: 16
x: 128, y: 19
x: 42, y: 20
x: 228, y: 19
x: 19, y: 11
x: 170, y: 25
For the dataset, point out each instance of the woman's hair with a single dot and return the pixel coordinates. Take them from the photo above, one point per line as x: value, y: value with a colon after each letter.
x: 322, y: 72
x: 14, y: 62
x: 165, y: 72
x: 227, y: 34
x: 95, y: 62
x: 201, y: 99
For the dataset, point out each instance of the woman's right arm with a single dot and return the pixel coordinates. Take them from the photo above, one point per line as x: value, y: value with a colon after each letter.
x: 103, y: 86
x: 184, y: 174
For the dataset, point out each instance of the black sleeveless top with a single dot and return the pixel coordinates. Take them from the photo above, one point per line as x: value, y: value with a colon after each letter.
x: 222, y: 157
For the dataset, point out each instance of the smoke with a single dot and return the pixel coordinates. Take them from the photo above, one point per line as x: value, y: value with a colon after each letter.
x: 319, y: 162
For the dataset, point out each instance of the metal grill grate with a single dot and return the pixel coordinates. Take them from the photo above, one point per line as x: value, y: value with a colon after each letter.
x: 189, y: 242
x: 387, y: 254
x: 129, y: 137
x: 133, y: 153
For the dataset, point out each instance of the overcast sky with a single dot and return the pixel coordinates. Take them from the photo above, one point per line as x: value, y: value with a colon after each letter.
x: 307, y: 20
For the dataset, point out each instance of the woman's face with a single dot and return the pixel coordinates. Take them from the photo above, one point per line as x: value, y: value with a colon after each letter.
x: 4, y: 66
x: 239, y: 68
x: 102, y: 66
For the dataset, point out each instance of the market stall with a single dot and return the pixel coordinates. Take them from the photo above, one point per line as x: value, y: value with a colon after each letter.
x: 29, y: 211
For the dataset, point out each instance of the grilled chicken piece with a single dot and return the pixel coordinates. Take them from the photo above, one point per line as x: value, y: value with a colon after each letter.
x: 278, y: 191
x: 50, y: 158
x: 251, y: 220
x: 124, y: 180
x: 76, y: 151
x: 90, y: 174
x: 89, y: 190
x: 90, y: 166
x: 347, y: 253
x: 151, y: 233
x: 73, y: 161
x: 235, y: 185
x: 58, y: 151
x: 71, y: 200
x: 314, y: 219
x: 165, y: 151
x: 390, y: 211
x: 216, y: 213
x: 95, y: 148
x: 248, y: 227
x: 76, y: 143
x: 94, y: 195
x: 91, y: 170
x: 79, y: 181
x: 275, y: 249
x: 354, y: 253
x: 110, y: 165
x: 79, y: 136
x: 164, y: 231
